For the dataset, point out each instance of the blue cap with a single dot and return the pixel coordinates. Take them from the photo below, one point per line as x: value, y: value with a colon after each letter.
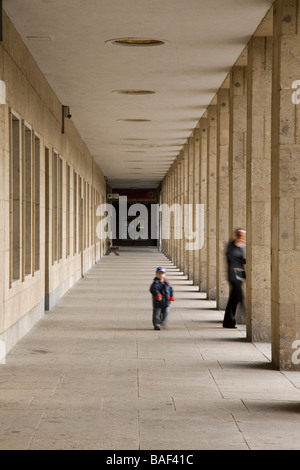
x: 160, y: 269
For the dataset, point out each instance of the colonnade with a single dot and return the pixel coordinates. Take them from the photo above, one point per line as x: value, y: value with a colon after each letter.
x: 242, y: 163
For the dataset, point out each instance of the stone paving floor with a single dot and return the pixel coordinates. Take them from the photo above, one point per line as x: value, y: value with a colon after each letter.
x: 93, y: 374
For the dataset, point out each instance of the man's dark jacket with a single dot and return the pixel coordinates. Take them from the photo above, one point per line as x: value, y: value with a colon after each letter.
x: 235, y: 259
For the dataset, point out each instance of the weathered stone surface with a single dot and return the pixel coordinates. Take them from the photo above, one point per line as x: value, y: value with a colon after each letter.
x: 285, y: 185
x: 259, y: 189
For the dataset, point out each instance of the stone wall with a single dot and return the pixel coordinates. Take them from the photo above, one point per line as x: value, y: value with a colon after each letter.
x: 43, y: 250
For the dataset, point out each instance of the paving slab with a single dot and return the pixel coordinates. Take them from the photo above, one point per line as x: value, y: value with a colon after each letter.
x: 93, y: 374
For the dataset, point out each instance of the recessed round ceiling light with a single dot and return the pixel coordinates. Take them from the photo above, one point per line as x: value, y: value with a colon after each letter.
x: 130, y: 138
x: 135, y: 42
x: 134, y: 120
x: 39, y: 38
x: 134, y: 92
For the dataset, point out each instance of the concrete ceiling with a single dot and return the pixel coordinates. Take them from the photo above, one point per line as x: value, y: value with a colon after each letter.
x: 203, y: 39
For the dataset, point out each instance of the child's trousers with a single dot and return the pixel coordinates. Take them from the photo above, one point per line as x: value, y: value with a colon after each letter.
x: 160, y: 315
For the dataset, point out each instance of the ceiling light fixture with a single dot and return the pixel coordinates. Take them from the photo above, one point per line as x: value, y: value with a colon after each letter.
x: 135, y: 42
x: 127, y: 138
x: 134, y: 92
x: 134, y: 120
x: 39, y: 38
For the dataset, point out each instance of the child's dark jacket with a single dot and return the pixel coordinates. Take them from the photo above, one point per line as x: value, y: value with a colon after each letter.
x: 161, y: 290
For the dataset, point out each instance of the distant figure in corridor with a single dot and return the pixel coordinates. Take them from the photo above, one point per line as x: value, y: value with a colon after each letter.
x: 162, y: 294
x: 236, y: 259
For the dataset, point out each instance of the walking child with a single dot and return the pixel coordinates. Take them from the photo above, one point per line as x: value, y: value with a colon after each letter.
x: 162, y: 295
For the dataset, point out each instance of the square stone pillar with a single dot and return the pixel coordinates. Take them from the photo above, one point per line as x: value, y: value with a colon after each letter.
x: 174, y: 254
x: 237, y: 148
x: 181, y: 201
x: 176, y: 201
x: 285, y: 211
x: 222, y: 234
x: 167, y: 201
x: 237, y: 158
x: 161, y: 220
x: 258, y: 254
x: 172, y: 172
x: 5, y: 237
x: 190, y: 219
x: 163, y: 199
x: 170, y: 204
x: 196, y: 253
x: 185, y: 264
x: 211, y: 201
x: 203, y: 125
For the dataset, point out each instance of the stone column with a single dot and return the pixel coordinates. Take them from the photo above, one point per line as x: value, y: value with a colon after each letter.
x: 185, y: 263
x: 196, y: 253
x: 211, y: 201
x: 162, y: 199
x: 222, y: 233
x: 191, y: 202
x: 166, y: 201
x: 237, y: 148
x: 203, y: 125
x: 237, y: 158
x: 5, y: 233
x: 285, y: 183
x: 172, y: 200
x: 176, y: 166
x: 169, y: 203
x: 163, y: 219
x: 258, y: 255
x: 181, y: 202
